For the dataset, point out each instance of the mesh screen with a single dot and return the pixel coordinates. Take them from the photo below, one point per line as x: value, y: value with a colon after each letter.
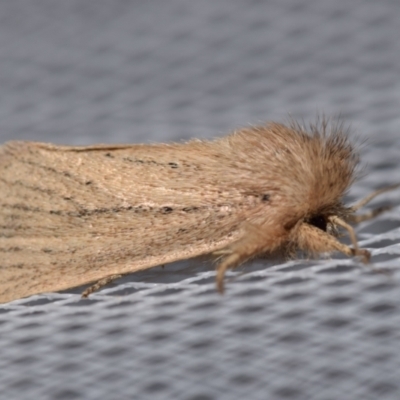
x: 96, y: 71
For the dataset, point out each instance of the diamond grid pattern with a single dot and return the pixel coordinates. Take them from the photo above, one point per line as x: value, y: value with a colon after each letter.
x: 96, y: 71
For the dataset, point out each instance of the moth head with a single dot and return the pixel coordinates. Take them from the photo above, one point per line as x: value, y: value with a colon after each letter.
x: 320, y: 221
x: 327, y: 219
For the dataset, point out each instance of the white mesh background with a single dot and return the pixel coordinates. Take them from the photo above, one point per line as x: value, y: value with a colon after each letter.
x: 96, y: 71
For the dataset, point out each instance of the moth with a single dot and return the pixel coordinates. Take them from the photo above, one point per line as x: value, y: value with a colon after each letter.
x: 76, y: 215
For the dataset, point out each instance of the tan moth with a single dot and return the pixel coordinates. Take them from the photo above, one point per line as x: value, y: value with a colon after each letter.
x: 76, y: 215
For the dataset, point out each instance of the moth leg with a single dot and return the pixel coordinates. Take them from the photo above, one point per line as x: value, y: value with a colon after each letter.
x: 373, y: 213
x: 338, y: 221
x: 254, y: 242
x: 313, y: 240
x: 99, y: 284
x: 356, y: 219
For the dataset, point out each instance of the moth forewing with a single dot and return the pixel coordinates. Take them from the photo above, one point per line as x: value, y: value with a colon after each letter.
x: 71, y: 216
x: 75, y: 215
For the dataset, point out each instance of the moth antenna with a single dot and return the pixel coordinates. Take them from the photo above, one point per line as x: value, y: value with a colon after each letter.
x: 372, y: 195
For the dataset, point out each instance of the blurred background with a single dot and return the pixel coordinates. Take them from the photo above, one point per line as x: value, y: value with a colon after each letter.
x: 82, y: 72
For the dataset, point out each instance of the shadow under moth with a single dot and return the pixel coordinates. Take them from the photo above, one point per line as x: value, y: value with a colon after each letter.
x: 76, y: 215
